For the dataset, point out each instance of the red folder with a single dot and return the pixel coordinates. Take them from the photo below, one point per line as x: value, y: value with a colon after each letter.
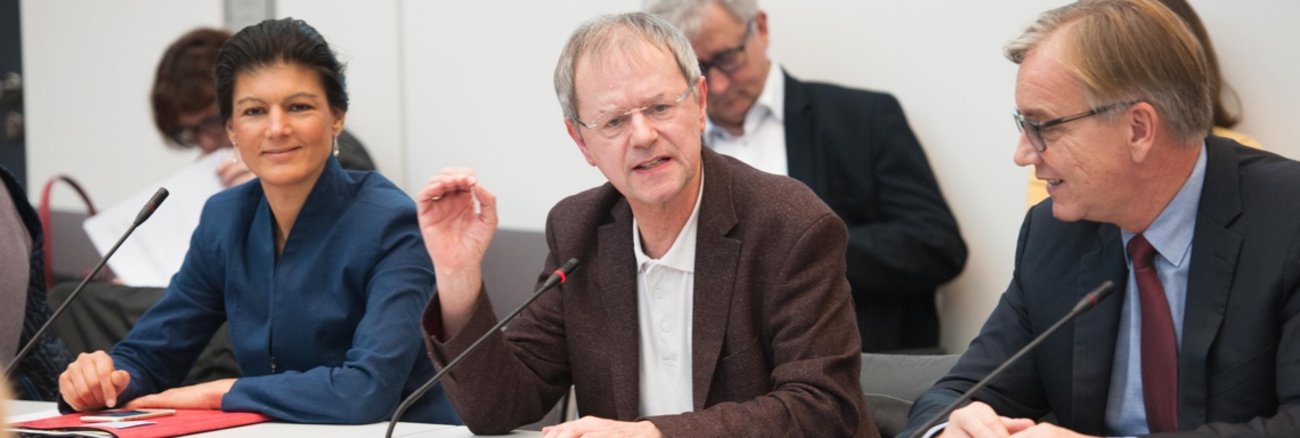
x: 186, y: 421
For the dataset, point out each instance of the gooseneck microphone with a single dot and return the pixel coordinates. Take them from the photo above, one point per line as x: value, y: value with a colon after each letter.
x: 145, y: 212
x: 557, y: 277
x: 1087, y: 303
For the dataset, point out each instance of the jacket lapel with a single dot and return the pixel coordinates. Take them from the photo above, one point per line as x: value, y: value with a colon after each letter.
x: 616, y: 283
x: 1095, y: 331
x: 1209, y: 282
x: 715, y: 273
x: 799, y: 134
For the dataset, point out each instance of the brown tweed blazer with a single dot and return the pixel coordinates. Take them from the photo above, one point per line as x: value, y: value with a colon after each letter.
x: 775, y: 349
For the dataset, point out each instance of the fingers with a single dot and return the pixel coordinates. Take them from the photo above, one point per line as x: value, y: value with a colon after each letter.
x: 448, y: 182
x: 103, y: 370
x: 1016, y: 425
x: 120, y: 381
x: 976, y: 420
x: 487, y: 205
x: 148, y: 401
x: 92, y: 381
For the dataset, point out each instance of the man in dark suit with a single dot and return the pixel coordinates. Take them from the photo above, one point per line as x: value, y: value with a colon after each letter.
x: 1200, y: 234
x: 712, y: 300
x: 852, y: 147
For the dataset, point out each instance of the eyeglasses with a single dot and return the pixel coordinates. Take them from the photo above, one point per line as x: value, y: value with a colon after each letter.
x: 189, y: 134
x: 730, y: 60
x: 616, y: 123
x: 1034, y: 130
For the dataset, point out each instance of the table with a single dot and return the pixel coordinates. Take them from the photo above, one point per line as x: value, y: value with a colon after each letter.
x: 280, y: 430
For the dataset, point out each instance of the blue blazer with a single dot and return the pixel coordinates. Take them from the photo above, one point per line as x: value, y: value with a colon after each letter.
x: 328, y: 333
x: 1239, y: 362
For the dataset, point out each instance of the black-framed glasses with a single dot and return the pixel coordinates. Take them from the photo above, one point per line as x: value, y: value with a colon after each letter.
x: 729, y: 60
x: 1034, y: 130
x: 189, y: 134
x: 616, y: 123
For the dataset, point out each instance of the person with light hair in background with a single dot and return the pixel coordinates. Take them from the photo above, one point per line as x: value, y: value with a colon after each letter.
x: 1199, y: 234
x: 852, y: 147
x: 711, y: 299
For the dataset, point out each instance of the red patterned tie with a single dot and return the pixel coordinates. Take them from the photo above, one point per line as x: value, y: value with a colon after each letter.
x: 1159, y: 345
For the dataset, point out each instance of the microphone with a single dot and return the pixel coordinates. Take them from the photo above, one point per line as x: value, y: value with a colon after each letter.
x: 149, y: 208
x: 144, y: 214
x: 557, y: 277
x: 1087, y: 303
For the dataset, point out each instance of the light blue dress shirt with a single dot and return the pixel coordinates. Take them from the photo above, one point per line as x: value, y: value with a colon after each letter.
x: 1171, y: 235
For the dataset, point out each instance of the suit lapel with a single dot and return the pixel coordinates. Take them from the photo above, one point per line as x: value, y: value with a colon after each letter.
x: 715, y: 273
x: 616, y: 274
x: 1209, y: 283
x: 1095, y: 331
x: 799, y: 134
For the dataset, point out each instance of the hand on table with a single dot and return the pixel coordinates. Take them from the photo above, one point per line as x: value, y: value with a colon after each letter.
x: 201, y: 396
x: 979, y: 420
x: 92, y: 382
x: 596, y: 427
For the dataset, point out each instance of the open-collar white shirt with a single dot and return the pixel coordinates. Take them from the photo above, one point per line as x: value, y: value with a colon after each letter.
x: 762, y: 142
x: 665, y: 298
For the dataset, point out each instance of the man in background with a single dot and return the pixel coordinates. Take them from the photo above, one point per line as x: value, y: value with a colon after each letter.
x: 851, y: 147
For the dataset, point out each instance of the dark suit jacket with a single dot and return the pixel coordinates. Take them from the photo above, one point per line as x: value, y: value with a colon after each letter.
x: 774, y: 350
x: 855, y: 150
x: 1239, y: 362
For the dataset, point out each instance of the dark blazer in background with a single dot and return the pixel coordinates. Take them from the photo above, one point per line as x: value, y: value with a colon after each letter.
x: 1239, y: 361
x: 855, y: 150
x: 774, y: 351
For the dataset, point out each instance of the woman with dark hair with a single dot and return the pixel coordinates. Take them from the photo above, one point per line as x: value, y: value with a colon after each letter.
x: 185, y: 105
x: 321, y: 272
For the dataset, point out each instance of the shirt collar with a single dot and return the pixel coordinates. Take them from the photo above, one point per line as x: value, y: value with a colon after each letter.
x: 771, y: 101
x: 1171, y: 233
x: 681, y: 256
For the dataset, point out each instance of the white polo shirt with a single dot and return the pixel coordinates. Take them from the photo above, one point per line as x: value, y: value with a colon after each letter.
x: 665, y: 300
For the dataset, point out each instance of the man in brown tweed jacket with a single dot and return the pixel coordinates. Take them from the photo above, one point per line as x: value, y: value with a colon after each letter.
x: 712, y: 299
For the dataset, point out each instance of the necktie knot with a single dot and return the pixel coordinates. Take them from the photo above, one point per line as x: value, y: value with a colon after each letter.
x: 1141, y: 252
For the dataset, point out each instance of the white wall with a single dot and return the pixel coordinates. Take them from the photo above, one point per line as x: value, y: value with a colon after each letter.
x: 365, y: 36
x: 436, y: 84
x: 89, y: 66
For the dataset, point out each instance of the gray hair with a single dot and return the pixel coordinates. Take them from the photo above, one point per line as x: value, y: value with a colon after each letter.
x: 685, y: 14
x: 595, y: 37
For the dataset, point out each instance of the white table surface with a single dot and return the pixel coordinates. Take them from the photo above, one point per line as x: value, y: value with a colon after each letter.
x: 18, y: 408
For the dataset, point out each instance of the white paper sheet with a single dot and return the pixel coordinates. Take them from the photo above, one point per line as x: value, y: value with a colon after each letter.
x: 155, y: 250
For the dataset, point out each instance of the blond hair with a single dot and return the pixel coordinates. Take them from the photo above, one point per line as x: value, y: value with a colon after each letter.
x: 1131, y: 50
